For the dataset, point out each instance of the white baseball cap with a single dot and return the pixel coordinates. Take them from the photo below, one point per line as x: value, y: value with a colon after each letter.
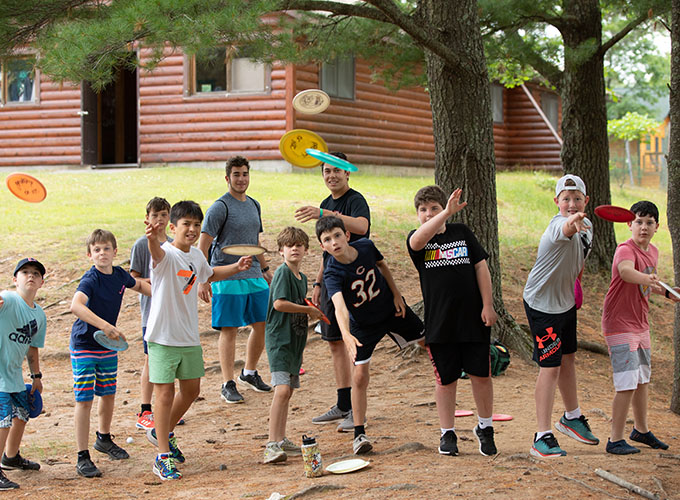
x: 579, y: 185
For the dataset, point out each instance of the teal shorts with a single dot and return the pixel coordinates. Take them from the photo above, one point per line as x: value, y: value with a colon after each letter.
x: 167, y: 363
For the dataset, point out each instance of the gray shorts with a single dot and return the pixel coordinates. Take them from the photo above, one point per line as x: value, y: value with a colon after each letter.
x: 285, y: 378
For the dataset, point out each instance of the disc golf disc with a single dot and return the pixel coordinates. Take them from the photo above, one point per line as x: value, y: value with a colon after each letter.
x: 613, y: 213
x: 464, y: 413
x: 244, y: 250
x: 332, y: 160
x: 501, y: 417
x: 35, y: 402
x: 323, y: 316
x: 670, y: 289
x: 345, y: 466
x: 578, y: 293
x: 105, y: 341
x: 26, y: 187
x: 311, y: 101
x: 294, y: 145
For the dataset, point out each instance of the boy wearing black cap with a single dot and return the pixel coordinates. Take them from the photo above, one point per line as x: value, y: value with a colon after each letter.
x: 22, y: 333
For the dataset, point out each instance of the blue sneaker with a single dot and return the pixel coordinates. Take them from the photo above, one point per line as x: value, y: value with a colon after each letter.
x: 621, y: 448
x: 648, y: 438
x: 175, y: 452
x: 577, y: 428
x: 165, y: 469
x: 547, y: 447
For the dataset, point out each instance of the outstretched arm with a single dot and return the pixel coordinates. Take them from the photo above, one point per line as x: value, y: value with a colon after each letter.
x: 142, y: 286
x: 223, y: 272
x: 80, y: 309
x: 342, y: 315
x: 427, y: 230
x: 153, y: 232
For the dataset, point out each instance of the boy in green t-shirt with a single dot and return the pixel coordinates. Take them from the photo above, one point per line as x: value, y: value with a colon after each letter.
x: 285, y: 337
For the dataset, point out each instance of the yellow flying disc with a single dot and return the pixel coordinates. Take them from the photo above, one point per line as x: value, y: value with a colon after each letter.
x: 294, y: 144
x: 27, y: 188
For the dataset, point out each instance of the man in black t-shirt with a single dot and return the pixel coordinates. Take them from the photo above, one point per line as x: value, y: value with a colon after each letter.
x: 350, y: 206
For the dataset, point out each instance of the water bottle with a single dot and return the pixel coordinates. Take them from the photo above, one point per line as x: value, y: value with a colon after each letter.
x: 311, y: 456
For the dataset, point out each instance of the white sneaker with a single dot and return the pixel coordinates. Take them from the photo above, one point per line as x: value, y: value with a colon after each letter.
x: 273, y: 453
x: 361, y: 444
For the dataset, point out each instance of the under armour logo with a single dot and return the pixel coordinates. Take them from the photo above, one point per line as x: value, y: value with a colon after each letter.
x: 550, y: 336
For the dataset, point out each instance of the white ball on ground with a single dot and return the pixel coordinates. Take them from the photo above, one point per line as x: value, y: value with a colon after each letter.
x: 129, y: 440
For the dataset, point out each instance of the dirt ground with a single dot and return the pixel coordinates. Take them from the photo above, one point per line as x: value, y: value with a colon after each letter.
x: 224, y: 443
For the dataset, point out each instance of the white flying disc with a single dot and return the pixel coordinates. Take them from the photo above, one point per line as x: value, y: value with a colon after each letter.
x: 311, y: 101
x: 345, y: 466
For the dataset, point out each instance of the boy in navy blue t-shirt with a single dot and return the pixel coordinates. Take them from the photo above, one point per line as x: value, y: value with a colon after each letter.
x: 96, y: 304
x: 368, y: 306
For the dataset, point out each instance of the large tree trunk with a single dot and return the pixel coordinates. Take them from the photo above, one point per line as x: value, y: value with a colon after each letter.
x: 463, y: 133
x: 674, y: 187
x: 584, y: 118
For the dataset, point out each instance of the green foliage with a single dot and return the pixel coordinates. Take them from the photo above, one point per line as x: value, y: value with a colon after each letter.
x: 632, y: 126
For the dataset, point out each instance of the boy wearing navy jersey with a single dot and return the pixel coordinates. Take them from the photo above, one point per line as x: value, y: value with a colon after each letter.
x: 96, y: 304
x: 368, y: 306
x: 458, y: 300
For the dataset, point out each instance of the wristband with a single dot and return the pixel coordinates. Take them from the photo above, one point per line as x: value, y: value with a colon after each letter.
x: 667, y: 294
x: 265, y: 269
x: 320, y: 213
x: 35, y: 375
x: 316, y: 283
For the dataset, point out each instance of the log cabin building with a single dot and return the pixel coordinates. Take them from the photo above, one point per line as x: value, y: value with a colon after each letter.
x: 205, y: 108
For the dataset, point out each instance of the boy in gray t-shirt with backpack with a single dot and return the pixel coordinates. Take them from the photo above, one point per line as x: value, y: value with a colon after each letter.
x: 550, y: 305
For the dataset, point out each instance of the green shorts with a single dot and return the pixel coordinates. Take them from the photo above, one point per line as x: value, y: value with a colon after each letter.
x: 167, y: 363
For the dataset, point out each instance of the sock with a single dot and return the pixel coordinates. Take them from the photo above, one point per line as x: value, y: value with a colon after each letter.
x: 485, y: 422
x: 83, y: 455
x: 444, y: 431
x: 571, y: 415
x: 161, y: 456
x: 345, y: 399
x: 359, y: 429
x: 540, y: 434
x: 104, y: 437
x: 146, y: 407
x: 249, y: 372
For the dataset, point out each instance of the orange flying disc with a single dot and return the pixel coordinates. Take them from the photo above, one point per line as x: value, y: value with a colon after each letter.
x: 26, y: 187
x: 294, y: 144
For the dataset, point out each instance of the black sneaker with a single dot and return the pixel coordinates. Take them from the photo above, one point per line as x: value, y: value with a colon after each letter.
x: 114, y: 451
x: 448, y: 443
x: 87, y: 468
x: 254, y: 381
x: 647, y: 438
x: 18, y: 462
x: 230, y: 393
x: 6, y: 484
x: 487, y: 446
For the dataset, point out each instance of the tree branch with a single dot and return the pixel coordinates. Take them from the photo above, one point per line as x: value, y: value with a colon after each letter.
x: 546, y: 69
x: 626, y: 29
x: 385, y: 11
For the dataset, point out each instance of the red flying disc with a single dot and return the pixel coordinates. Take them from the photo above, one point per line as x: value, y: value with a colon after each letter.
x: 578, y: 293
x: 323, y: 316
x: 464, y: 413
x: 614, y: 214
x: 501, y: 417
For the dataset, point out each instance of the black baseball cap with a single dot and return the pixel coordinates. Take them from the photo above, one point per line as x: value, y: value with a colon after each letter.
x: 29, y: 260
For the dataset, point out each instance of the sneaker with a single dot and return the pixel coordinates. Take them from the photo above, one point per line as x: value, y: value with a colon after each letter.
x: 621, y: 448
x: 448, y: 444
x: 114, y: 451
x: 487, y: 446
x: 577, y: 428
x: 6, y: 483
x: 289, y: 447
x: 86, y: 468
x: 547, y: 447
x: 648, y: 438
x: 230, y: 393
x: 361, y: 444
x: 18, y: 462
x: 254, y: 381
x: 347, y: 425
x: 331, y: 415
x: 144, y: 420
x: 165, y: 469
x: 273, y: 453
x: 175, y: 453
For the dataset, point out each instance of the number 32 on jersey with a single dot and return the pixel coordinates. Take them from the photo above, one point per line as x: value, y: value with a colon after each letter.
x: 365, y: 288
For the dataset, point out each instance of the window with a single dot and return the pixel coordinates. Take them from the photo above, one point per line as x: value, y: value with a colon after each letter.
x: 337, y: 77
x: 497, y: 103
x: 550, y: 106
x: 227, y: 70
x: 17, y: 80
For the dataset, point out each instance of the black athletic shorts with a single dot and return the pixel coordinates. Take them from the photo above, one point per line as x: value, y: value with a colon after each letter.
x: 553, y: 335
x: 403, y: 331
x: 449, y: 360
x: 330, y: 332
